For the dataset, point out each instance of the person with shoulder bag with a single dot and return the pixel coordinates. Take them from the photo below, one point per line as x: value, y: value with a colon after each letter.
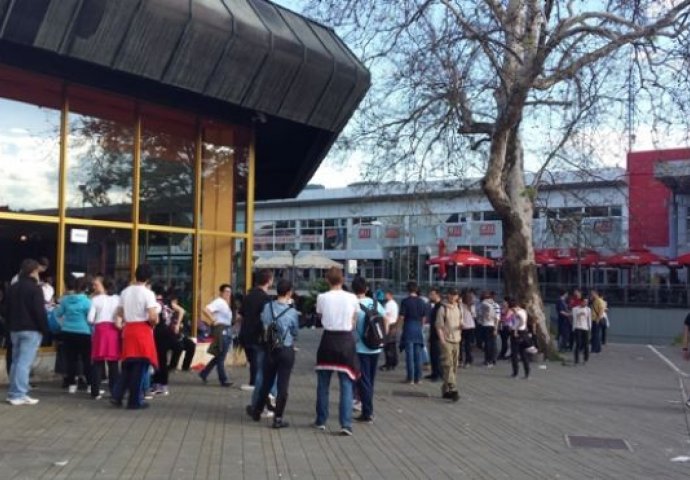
x: 220, y: 314
x: 281, y: 325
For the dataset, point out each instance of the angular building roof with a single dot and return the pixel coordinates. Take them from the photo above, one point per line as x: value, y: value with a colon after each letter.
x: 241, y: 60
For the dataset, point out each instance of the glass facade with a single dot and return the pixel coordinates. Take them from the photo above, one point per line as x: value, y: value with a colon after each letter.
x: 99, y: 183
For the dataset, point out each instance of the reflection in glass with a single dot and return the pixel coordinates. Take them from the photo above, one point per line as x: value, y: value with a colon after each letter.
x: 167, y: 172
x: 29, y: 158
x: 99, y: 175
x: 170, y: 255
x: 217, y: 265
x: 20, y: 240
x: 91, y: 251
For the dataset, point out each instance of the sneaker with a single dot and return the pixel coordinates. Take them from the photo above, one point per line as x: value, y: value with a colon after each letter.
x: 16, y: 402
x: 226, y: 384
x: 72, y: 389
x: 280, y: 423
x: 250, y: 411
x: 346, y: 432
x: 454, y: 396
x: 203, y: 378
x: 267, y: 414
x: 357, y: 406
x: 272, y: 400
x: 97, y: 397
x: 687, y: 404
x: 318, y: 426
x: 116, y: 403
x: 363, y: 419
x: 161, y: 390
x: 247, y: 388
x: 148, y: 396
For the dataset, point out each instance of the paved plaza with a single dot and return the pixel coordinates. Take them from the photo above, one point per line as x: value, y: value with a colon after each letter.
x: 500, y: 429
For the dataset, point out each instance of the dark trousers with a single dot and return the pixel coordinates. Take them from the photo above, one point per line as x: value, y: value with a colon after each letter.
x: 365, y: 384
x: 132, y: 381
x: 165, y: 343
x: 518, y: 345
x: 277, y: 364
x: 97, y: 370
x: 435, y: 356
x: 187, y: 346
x: 581, y: 343
x: 467, y: 341
x: 565, y: 335
x: 390, y: 348
x: 77, y: 348
x: 250, y: 351
x: 596, y: 337
x: 489, y: 345
x: 505, y: 341
x: 604, y: 329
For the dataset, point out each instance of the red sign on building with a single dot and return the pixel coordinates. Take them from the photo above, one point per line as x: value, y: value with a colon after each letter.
x: 365, y: 233
x: 487, y: 229
x: 455, y: 231
x: 393, y: 232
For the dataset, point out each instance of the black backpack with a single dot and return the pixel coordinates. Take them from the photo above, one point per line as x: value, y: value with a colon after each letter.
x: 272, y: 333
x: 374, y: 331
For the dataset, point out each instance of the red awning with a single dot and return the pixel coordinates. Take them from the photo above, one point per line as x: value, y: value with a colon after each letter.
x: 634, y: 258
x: 441, y: 260
x: 544, y: 257
x: 568, y: 257
x: 682, y: 261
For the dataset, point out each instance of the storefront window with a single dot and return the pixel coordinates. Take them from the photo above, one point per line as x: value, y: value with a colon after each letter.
x: 335, y: 234
x: 20, y: 240
x: 311, y: 235
x: 263, y: 236
x: 100, y: 156
x: 219, y: 262
x: 167, y: 168
x: 285, y: 234
x: 91, y: 251
x: 170, y: 255
x: 29, y: 157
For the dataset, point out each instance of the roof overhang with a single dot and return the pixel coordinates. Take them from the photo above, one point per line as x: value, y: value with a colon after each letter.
x: 242, y: 61
x: 675, y: 174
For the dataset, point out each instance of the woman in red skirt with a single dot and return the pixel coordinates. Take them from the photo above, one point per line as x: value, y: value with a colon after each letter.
x: 106, y: 341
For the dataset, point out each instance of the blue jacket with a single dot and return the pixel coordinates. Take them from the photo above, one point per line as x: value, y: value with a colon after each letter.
x: 72, y: 313
x: 288, y: 323
x: 367, y: 303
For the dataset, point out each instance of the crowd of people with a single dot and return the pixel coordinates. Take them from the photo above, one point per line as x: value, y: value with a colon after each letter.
x: 137, y: 337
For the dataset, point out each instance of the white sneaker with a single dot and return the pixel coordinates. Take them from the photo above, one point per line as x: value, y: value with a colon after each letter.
x: 272, y: 400
x: 247, y: 388
x: 357, y: 406
x: 72, y: 389
x: 267, y: 414
x: 22, y: 401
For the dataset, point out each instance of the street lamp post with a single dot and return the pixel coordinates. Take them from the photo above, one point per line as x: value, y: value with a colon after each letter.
x: 293, y: 252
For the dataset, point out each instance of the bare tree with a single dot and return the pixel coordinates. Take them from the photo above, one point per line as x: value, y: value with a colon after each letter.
x: 474, y: 85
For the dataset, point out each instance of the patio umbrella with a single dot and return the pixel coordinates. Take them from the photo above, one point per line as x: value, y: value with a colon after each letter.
x: 467, y: 258
x: 315, y: 260
x: 682, y: 261
x: 442, y: 260
x: 568, y: 258
x: 634, y: 258
x: 544, y: 256
x: 280, y: 260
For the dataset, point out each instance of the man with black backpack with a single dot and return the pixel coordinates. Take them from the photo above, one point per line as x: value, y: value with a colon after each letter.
x: 370, y: 333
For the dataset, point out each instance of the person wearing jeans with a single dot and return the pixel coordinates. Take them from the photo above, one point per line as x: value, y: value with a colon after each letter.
x: 27, y: 323
x: 582, y: 325
x: 221, y: 316
x: 368, y: 357
x: 280, y: 359
x: 413, y: 311
x: 251, y: 328
x: 336, y: 353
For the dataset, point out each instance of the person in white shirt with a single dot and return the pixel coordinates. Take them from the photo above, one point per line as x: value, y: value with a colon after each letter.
x: 468, y: 327
x: 519, y: 336
x: 139, y: 309
x: 582, y: 324
x: 107, y: 330
x: 220, y: 315
x: 488, y: 324
x: 338, y: 310
x: 392, y: 311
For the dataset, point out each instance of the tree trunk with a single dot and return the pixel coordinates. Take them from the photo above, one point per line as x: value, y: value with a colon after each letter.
x: 514, y: 204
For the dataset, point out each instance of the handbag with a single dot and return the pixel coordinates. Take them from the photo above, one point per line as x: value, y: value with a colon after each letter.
x: 215, y: 349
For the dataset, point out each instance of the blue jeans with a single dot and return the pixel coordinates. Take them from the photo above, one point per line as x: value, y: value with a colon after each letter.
x: 219, y: 361
x: 323, y: 383
x: 259, y: 354
x: 24, y: 347
x: 367, y: 366
x: 413, y: 361
x: 596, y: 337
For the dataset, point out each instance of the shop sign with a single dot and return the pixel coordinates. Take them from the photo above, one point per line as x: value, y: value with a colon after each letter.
x: 365, y: 233
x: 79, y: 235
x: 487, y: 229
x: 455, y: 231
x: 392, y: 232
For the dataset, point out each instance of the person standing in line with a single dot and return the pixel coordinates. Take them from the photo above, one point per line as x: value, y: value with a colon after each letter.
x: 220, y: 315
x: 468, y: 328
x: 336, y: 353
x: 505, y: 329
x: 72, y: 313
x: 368, y: 357
x: 488, y: 319
x: 165, y: 336
x: 598, y: 320
x: 251, y: 328
x: 139, y: 309
x: 28, y: 323
x: 106, y: 340
x: 279, y: 361
x: 390, y: 347
x: 183, y: 342
x: 519, y: 337
x: 448, y: 327
x: 565, y: 322
x: 582, y: 325
x: 434, y: 341
x: 413, y: 312
x: 686, y: 344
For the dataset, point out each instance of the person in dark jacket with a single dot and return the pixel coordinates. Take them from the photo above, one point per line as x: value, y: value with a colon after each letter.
x: 251, y: 328
x: 28, y: 322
